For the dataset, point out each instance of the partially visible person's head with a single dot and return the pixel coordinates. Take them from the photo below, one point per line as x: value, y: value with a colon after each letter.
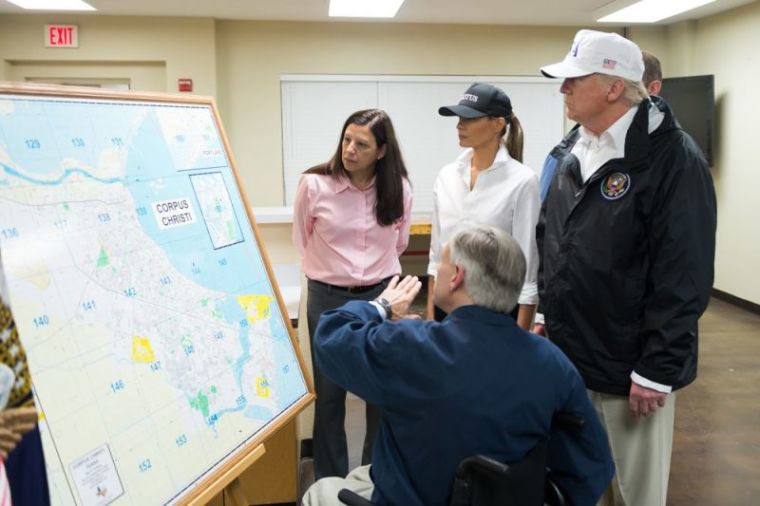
x: 484, y: 262
x: 652, y: 73
x: 602, y: 78
x: 485, y: 116
x: 368, y: 143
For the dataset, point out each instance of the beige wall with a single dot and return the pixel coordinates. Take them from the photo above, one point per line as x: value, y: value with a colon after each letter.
x: 240, y: 62
x: 252, y: 56
x: 726, y: 45
x: 140, y: 75
x: 655, y: 40
x: 124, y: 46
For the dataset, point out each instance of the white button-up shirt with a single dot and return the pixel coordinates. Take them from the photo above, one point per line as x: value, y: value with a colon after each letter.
x: 593, y: 151
x: 505, y: 196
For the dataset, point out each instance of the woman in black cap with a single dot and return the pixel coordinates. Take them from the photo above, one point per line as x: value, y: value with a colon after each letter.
x: 487, y: 184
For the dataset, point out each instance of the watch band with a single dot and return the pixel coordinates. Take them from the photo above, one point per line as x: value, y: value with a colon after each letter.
x: 386, y: 305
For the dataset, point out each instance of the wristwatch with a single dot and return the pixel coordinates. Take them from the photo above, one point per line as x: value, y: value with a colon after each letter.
x: 386, y: 305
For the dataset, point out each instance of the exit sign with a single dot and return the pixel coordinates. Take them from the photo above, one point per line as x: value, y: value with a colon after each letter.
x: 61, y: 36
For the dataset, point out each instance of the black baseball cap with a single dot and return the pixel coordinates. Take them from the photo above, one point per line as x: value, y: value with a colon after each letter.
x: 480, y: 100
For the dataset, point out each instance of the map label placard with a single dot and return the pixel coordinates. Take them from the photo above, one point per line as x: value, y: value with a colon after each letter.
x: 96, y: 479
x: 173, y: 213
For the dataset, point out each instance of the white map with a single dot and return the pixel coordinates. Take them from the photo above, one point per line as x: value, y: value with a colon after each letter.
x: 153, y: 335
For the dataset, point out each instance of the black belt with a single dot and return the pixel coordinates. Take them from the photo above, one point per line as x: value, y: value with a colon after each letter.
x: 351, y: 289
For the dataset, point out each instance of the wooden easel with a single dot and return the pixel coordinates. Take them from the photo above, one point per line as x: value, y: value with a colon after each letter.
x: 235, y: 494
x: 229, y: 482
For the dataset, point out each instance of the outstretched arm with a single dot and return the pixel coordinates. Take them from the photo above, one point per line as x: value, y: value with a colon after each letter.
x: 400, y: 295
x: 376, y: 358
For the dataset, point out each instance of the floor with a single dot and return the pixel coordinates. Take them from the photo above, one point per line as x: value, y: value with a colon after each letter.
x: 716, y: 449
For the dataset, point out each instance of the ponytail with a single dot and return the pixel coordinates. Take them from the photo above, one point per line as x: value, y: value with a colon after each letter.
x: 514, y: 141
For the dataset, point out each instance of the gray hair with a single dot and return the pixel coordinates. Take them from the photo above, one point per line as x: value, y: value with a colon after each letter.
x: 494, y: 266
x: 635, y: 92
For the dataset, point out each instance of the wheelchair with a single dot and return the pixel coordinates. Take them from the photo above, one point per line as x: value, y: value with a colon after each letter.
x: 483, y: 481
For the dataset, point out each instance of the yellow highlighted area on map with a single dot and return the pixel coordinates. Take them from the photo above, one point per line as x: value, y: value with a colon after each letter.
x: 142, y: 351
x: 257, y: 307
x: 262, y: 386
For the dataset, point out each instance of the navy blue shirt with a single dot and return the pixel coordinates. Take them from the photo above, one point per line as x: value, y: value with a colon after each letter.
x: 474, y: 383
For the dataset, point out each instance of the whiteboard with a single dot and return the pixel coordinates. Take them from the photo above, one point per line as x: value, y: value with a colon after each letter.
x: 314, y: 108
x: 158, y: 343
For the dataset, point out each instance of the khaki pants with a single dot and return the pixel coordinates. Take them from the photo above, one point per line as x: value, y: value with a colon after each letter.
x: 325, y: 491
x: 641, y: 449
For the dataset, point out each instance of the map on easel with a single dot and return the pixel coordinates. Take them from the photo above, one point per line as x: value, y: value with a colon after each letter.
x: 154, y: 330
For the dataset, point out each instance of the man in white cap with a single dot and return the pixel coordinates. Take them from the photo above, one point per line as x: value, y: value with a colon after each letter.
x: 626, y: 242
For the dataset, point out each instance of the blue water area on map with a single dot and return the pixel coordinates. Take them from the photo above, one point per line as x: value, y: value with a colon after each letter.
x: 231, y: 310
x: 234, y: 314
x: 290, y: 386
x: 259, y: 413
x: 68, y: 134
x: 59, y: 180
x: 238, y: 368
x: 288, y: 375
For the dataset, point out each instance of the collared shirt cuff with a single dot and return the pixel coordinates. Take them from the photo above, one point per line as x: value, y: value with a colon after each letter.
x: 380, y: 309
x: 529, y: 294
x: 540, y: 320
x: 642, y: 381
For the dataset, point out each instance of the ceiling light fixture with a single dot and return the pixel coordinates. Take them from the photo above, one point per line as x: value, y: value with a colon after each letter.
x: 364, y: 8
x: 650, y: 11
x: 53, y: 5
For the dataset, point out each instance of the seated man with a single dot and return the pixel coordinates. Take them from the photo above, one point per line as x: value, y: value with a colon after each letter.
x: 474, y: 383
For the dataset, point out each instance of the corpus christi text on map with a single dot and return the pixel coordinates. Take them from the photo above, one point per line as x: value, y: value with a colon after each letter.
x: 155, y: 341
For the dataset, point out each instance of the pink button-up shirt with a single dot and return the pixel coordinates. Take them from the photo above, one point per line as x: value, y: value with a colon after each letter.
x: 337, y: 234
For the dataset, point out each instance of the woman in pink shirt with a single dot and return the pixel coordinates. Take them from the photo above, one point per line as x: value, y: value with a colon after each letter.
x: 350, y: 224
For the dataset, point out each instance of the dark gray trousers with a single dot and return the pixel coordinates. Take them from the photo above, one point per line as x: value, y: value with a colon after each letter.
x: 329, y: 434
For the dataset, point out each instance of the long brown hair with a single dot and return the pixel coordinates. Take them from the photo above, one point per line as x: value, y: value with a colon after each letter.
x: 515, y: 138
x: 390, y: 170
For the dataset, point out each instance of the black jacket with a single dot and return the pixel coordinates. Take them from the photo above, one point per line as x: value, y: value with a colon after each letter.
x: 626, y: 259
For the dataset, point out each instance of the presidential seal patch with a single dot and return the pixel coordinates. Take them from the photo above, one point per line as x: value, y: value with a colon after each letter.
x: 615, y: 185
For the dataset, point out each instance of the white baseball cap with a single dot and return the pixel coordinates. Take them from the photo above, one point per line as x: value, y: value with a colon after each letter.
x: 599, y: 53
